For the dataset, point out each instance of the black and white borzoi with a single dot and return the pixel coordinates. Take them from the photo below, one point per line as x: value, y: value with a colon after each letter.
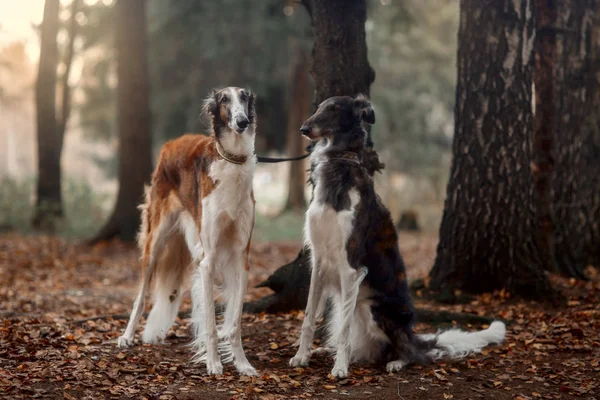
x: 356, y: 260
x: 197, y: 222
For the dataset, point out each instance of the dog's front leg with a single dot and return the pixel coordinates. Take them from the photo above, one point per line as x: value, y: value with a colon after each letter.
x: 235, y: 337
x: 350, y: 280
x: 213, y: 360
x: 315, y: 294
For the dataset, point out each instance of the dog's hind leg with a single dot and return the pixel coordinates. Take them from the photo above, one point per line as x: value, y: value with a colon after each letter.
x: 168, y: 290
x: 154, y: 246
x: 350, y: 284
x: 313, y: 306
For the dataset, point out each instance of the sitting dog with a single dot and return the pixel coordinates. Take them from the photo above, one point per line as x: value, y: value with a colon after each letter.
x: 356, y: 260
x: 197, y: 221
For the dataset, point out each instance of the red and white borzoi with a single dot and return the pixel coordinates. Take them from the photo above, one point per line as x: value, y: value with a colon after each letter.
x: 197, y: 222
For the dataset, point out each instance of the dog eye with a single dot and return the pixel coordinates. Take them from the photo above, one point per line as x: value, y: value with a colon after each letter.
x: 244, y: 96
x: 224, y: 99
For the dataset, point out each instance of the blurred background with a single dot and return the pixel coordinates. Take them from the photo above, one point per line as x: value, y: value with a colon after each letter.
x: 192, y: 47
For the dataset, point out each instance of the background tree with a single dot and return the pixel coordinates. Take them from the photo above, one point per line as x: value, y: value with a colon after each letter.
x: 339, y: 36
x: 298, y: 112
x: 576, y: 182
x: 488, y: 223
x: 52, y: 120
x: 49, y: 197
x: 135, y: 150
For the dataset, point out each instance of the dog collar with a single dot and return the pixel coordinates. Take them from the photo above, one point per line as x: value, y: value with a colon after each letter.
x: 345, y: 156
x: 228, y: 156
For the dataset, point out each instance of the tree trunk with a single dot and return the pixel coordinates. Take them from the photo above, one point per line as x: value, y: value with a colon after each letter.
x: 49, y: 197
x: 339, y: 67
x: 544, y: 124
x: 299, y: 100
x: 577, y: 178
x: 135, y: 151
x: 488, y: 226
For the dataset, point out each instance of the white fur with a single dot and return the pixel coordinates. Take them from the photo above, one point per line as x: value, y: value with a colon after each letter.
x: 327, y: 232
x: 456, y: 344
x: 230, y: 203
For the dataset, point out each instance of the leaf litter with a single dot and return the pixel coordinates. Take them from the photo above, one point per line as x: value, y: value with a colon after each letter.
x: 63, y: 305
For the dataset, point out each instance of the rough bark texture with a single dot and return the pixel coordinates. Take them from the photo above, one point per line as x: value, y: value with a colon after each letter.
x: 299, y: 112
x: 339, y: 67
x: 487, y: 230
x: 577, y: 174
x: 544, y: 124
x: 135, y: 152
x: 49, y: 196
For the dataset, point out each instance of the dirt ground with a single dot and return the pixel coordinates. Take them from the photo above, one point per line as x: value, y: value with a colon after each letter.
x: 50, y: 348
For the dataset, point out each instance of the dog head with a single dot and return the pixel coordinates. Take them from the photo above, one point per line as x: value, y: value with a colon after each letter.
x: 231, y: 108
x: 338, y: 114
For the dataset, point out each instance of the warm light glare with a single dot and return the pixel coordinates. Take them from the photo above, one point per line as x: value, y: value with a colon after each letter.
x: 16, y: 23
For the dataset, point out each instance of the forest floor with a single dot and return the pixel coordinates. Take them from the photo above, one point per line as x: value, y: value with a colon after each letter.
x: 50, y: 349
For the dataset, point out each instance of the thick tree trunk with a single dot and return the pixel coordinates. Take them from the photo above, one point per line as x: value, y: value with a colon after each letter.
x: 340, y: 68
x: 544, y: 125
x: 49, y: 197
x: 298, y: 113
x: 488, y: 226
x: 135, y: 152
x: 577, y: 174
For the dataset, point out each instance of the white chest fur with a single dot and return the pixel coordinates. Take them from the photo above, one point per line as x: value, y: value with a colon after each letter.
x: 327, y: 230
x: 229, y: 209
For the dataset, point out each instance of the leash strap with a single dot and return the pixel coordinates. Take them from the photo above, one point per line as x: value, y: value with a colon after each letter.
x: 270, y: 160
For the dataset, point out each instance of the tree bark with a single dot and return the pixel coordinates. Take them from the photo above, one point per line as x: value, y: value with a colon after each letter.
x: 340, y: 67
x: 576, y: 180
x: 49, y: 197
x: 488, y: 226
x: 135, y: 151
x: 299, y: 100
x: 545, y: 120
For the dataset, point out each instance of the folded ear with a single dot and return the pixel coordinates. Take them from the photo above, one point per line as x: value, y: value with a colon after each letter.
x: 364, y: 110
x: 209, y: 107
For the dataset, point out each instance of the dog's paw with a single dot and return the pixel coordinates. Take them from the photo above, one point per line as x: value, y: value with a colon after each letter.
x: 395, y: 366
x: 124, y: 341
x: 214, y: 368
x: 300, y: 360
x: 246, y: 369
x: 339, y: 371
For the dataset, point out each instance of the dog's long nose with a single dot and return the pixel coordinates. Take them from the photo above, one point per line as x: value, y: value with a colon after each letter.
x: 243, y: 123
x: 305, y: 130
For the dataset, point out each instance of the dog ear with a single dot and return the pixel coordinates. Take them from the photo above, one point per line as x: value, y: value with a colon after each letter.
x: 210, y: 106
x: 251, y: 106
x: 364, y: 110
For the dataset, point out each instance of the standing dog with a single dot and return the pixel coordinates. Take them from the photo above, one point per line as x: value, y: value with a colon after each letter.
x: 356, y: 260
x: 197, y: 222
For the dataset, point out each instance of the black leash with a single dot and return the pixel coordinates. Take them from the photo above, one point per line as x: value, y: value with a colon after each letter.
x: 278, y: 160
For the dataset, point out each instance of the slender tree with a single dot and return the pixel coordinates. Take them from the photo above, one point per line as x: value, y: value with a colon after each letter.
x: 299, y: 111
x: 488, y: 227
x: 339, y: 67
x: 49, y: 198
x: 576, y: 182
x: 135, y: 151
x: 52, y: 120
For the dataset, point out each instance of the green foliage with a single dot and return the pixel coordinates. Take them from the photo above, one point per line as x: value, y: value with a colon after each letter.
x: 196, y: 46
x: 280, y: 228
x: 412, y: 46
x: 83, y: 207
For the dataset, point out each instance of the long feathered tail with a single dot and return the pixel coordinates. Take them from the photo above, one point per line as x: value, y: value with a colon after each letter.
x: 456, y: 343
